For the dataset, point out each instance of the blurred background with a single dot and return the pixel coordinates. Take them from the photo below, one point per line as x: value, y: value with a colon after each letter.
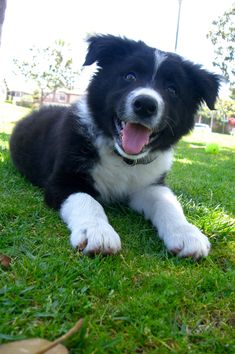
x: 46, y: 38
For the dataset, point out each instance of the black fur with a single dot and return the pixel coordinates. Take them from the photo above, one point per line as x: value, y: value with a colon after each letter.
x: 53, y: 147
x: 48, y: 149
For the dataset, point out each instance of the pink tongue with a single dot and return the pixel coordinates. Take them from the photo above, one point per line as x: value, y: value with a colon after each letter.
x: 134, y: 138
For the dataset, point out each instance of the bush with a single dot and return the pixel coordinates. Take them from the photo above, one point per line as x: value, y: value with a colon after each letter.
x: 25, y: 101
x: 26, y: 104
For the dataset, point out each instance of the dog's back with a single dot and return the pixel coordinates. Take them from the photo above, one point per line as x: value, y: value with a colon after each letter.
x: 33, y: 143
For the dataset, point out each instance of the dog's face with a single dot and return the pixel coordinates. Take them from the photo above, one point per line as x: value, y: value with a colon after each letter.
x: 143, y: 98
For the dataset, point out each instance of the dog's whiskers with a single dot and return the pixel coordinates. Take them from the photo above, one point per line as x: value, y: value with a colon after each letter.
x: 169, y: 125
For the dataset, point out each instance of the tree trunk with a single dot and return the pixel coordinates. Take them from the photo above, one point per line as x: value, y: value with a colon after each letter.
x: 54, y: 93
x: 3, y: 4
x: 41, y: 98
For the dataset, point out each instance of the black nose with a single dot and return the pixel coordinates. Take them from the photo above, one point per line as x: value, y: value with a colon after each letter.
x: 145, y: 106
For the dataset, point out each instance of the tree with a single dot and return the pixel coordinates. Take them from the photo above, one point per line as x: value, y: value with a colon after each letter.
x: 224, y: 110
x: 50, y: 68
x: 3, y: 4
x: 222, y: 36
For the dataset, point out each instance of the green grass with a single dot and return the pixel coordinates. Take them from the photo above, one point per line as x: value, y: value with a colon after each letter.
x: 143, y: 300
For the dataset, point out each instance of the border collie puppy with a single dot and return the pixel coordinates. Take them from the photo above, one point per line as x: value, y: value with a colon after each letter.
x: 116, y: 144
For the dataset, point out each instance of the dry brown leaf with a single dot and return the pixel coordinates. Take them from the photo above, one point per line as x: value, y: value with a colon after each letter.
x: 5, y: 261
x: 38, y: 345
x: 31, y: 346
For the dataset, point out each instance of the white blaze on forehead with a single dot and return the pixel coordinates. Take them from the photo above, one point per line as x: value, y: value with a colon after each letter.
x: 159, y: 58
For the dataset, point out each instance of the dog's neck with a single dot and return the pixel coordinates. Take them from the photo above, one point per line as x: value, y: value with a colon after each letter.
x: 142, y: 161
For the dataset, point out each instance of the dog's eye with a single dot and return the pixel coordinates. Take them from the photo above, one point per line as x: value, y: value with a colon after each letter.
x: 171, y: 89
x: 130, y: 77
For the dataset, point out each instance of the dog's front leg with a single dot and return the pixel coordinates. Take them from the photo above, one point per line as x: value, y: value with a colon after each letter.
x: 90, y: 229
x: 160, y: 205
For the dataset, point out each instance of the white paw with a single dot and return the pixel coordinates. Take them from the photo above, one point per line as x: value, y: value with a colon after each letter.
x: 96, y: 236
x: 187, y: 241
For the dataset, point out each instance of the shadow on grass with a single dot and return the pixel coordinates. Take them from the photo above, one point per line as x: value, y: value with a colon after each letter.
x: 198, y: 153
x: 4, y: 150
x: 205, y: 177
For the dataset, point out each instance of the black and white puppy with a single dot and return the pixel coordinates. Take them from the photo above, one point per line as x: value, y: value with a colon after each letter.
x: 116, y: 144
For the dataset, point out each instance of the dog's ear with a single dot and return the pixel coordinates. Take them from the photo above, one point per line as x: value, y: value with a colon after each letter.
x: 205, y: 84
x: 104, y: 49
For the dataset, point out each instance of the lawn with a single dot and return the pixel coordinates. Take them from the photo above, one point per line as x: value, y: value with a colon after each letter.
x: 143, y: 300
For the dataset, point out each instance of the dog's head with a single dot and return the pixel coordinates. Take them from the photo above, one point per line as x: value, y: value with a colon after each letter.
x: 143, y: 98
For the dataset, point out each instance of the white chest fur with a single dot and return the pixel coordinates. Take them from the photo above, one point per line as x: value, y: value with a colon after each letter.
x: 116, y: 180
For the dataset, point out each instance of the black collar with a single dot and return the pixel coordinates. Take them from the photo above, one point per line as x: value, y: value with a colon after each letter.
x: 142, y: 161
x: 130, y: 162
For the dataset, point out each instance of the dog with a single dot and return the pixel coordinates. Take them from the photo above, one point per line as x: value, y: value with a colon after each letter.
x: 116, y: 144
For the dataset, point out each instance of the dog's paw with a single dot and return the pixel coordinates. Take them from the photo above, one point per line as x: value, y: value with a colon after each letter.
x: 187, y: 241
x: 96, y: 237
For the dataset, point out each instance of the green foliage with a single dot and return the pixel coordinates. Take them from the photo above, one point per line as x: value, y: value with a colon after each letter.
x: 232, y: 95
x: 26, y: 101
x: 50, y: 68
x: 222, y: 36
x: 224, y: 109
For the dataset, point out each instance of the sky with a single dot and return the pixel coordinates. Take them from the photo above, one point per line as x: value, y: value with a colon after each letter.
x: 41, y: 22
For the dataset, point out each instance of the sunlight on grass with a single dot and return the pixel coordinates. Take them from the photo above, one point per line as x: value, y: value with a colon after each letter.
x: 222, y: 140
x: 232, y: 247
x: 184, y: 161
x: 9, y: 115
x: 4, y: 144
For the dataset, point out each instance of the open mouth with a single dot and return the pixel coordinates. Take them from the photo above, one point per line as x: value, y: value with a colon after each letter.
x: 132, y: 138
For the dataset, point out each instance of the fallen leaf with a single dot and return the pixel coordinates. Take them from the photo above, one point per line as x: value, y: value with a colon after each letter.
x: 5, y: 261
x: 31, y: 346
x: 40, y: 346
